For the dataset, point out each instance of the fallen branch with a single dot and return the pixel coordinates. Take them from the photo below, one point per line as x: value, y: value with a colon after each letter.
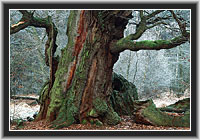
x: 179, y: 107
x: 146, y: 112
x: 24, y: 98
x: 173, y: 110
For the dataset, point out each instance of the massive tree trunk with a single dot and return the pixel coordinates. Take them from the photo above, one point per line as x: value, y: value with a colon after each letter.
x: 80, y: 85
x: 83, y: 81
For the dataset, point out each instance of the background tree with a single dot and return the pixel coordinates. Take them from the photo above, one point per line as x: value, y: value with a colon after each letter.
x: 80, y: 86
x: 27, y: 49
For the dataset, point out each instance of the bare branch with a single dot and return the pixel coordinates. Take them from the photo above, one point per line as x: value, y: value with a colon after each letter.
x: 142, y: 26
x: 157, y: 19
x: 172, y: 29
x: 24, y: 12
x: 181, y: 25
x: 154, y: 13
x: 140, y: 29
x: 136, y: 65
x: 141, y: 14
x: 133, y: 23
x: 156, y: 24
x: 19, y: 26
x: 28, y: 20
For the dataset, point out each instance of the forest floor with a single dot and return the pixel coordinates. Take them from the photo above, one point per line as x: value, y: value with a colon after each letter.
x: 125, y: 124
x: 25, y: 108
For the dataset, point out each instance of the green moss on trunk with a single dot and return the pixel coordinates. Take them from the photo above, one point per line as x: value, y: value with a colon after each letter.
x: 104, y: 111
x: 100, y: 106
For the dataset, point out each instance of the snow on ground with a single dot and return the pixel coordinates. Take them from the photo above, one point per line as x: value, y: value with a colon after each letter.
x: 167, y: 98
x: 23, y: 110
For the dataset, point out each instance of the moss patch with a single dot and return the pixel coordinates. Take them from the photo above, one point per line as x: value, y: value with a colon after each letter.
x: 56, y: 98
x: 150, y: 43
x: 98, y: 123
x: 155, y: 116
x: 112, y: 118
x: 93, y: 113
x: 100, y: 106
x: 84, y: 121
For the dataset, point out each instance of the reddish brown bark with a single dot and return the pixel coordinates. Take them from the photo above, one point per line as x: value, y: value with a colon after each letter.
x: 87, y: 97
x: 82, y: 33
x: 71, y: 74
x: 80, y: 40
x: 43, y: 110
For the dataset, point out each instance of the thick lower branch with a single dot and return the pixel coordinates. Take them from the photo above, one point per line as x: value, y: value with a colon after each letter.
x: 126, y: 44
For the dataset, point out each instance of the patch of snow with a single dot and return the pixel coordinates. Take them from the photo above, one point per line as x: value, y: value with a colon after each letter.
x: 23, y: 110
x: 168, y: 98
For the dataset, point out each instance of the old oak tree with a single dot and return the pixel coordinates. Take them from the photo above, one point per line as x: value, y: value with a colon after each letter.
x: 80, y: 88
